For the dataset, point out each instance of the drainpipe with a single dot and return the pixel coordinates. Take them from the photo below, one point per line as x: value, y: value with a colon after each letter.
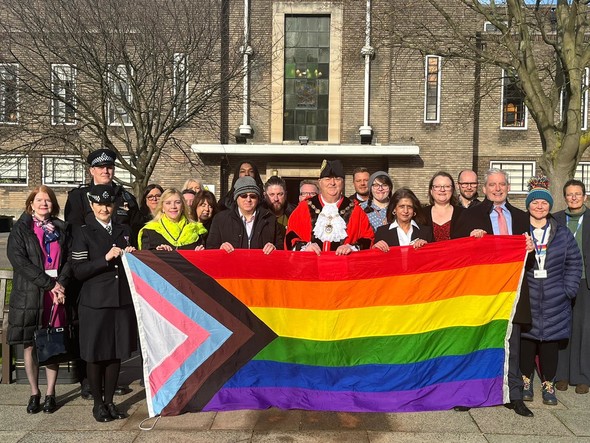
x: 245, y: 129
x: 366, y: 131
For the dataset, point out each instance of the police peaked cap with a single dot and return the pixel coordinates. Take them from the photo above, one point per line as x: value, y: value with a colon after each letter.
x: 101, y: 157
x: 101, y: 194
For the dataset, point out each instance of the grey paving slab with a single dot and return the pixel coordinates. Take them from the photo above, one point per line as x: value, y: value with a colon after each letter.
x: 278, y: 420
x: 319, y: 420
x: 197, y: 421
x: 11, y: 436
x: 221, y: 436
x: 310, y: 437
x: 570, y: 399
x: 75, y: 418
x: 243, y: 419
x: 499, y: 420
x: 436, y: 422
x: 424, y: 437
x: 534, y: 439
x: 16, y: 418
x: 577, y: 421
x: 78, y: 436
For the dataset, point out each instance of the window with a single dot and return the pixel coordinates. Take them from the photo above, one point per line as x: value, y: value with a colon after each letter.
x: 8, y: 93
x: 62, y: 170
x: 123, y: 174
x: 514, y: 115
x: 519, y: 173
x: 307, y: 73
x: 583, y: 174
x: 432, y: 78
x: 490, y: 27
x: 584, y: 107
x: 14, y: 170
x: 180, y: 97
x: 63, y: 88
x: 120, y: 95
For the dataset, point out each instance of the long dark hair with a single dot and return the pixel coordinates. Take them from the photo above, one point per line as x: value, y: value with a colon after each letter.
x: 386, y: 180
x: 143, y: 207
x: 453, y: 201
x: 405, y: 193
x: 227, y: 200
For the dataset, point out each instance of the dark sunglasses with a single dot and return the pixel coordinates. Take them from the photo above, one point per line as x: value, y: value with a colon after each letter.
x: 245, y: 196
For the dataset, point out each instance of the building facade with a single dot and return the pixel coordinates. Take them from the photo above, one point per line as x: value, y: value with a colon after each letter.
x: 322, y: 84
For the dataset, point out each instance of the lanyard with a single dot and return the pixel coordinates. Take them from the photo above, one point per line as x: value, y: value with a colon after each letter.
x: 540, y: 248
x: 171, y: 236
x: 567, y: 220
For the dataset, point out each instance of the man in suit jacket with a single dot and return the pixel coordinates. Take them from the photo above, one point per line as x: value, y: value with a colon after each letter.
x: 574, y: 360
x: 496, y: 216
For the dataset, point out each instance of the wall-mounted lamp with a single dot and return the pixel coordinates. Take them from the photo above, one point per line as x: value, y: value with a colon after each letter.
x: 366, y: 133
x: 303, y: 139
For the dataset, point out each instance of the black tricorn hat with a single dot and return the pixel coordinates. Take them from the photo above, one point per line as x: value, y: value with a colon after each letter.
x: 101, y: 157
x: 101, y: 194
x: 331, y: 168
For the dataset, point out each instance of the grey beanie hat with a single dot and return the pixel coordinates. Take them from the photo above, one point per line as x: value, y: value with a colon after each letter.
x: 374, y: 175
x: 244, y: 185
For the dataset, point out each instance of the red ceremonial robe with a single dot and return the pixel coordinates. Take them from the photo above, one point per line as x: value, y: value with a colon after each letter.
x: 303, y: 218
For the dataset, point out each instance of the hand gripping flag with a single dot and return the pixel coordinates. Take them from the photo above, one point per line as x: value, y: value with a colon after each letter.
x: 407, y: 330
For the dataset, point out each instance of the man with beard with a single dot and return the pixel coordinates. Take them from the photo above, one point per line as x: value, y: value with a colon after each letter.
x: 360, y: 179
x: 467, y: 182
x: 329, y: 221
x: 275, y: 195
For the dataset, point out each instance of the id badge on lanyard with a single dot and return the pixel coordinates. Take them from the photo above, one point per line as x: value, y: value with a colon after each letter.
x: 540, y: 249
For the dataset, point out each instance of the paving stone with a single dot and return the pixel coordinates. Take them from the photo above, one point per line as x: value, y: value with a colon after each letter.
x: 321, y: 420
x: 79, y: 436
x: 11, y: 436
x: 243, y: 419
x: 576, y: 421
x: 16, y: 418
x: 220, y: 436
x: 436, y: 422
x: 279, y: 420
x: 425, y: 437
x: 533, y: 439
x: 500, y: 420
x: 310, y: 437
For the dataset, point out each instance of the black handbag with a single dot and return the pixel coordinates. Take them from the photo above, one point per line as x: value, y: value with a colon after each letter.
x: 56, y: 345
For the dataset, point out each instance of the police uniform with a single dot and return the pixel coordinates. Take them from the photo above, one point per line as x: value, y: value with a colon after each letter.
x: 107, y: 320
x: 77, y: 211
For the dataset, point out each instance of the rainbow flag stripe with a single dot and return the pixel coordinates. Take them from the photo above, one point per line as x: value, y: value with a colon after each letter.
x: 408, y: 330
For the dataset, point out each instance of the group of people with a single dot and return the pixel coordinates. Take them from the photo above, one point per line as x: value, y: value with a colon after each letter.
x: 81, y: 258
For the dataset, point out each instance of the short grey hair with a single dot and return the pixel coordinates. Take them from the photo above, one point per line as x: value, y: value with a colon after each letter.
x: 493, y: 171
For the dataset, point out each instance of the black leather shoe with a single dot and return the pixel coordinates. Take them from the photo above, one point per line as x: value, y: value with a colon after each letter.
x: 520, y: 408
x: 34, y: 404
x: 461, y: 408
x: 101, y: 414
x: 122, y: 390
x: 50, y: 405
x: 115, y: 413
x: 85, y: 391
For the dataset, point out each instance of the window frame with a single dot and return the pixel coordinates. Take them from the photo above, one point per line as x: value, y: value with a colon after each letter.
x: 522, y: 189
x: 10, y: 157
x: 123, y: 118
x: 581, y: 178
x: 524, y: 127
x: 438, y: 88
x: 62, y: 102
x: 5, y: 68
x: 120, y: 170
x: 180, y: 66
x: 77, y: 165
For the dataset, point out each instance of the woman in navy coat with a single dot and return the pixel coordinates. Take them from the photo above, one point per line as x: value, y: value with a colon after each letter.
x: 108, y: 331
x: 406, y: 223
x: 553, y: 283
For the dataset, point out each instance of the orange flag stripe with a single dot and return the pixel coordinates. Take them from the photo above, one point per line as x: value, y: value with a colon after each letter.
x: 409, y: 289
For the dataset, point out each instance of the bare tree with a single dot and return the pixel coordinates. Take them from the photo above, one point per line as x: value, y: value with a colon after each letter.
x: 137, y: 77
x: 542, y: 46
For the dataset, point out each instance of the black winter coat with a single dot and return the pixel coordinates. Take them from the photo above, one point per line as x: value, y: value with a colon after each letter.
x: 551, y: 297
x: 30, y: 280
x: 227, y: 226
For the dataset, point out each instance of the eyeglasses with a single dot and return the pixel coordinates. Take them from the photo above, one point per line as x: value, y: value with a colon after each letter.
x: 379, y: 186
x: 442, y: 187
x: 154, y: 197
x: 576, y: 195
x: 468, y: 184
x: 245, y: 196
x: 308, y: 194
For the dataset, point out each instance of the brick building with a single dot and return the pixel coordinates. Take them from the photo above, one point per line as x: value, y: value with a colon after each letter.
x: 323, y: 89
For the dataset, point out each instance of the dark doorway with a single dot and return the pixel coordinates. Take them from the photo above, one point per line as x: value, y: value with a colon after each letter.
x: 293, y: 188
